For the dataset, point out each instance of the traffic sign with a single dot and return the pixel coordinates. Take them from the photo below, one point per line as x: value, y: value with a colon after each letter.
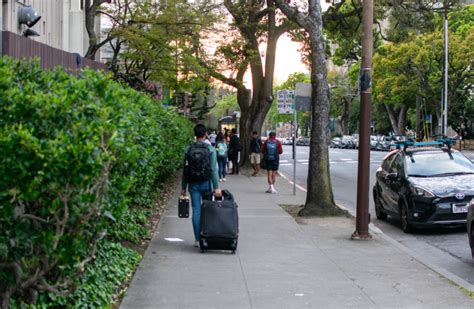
x: 286, y: 101
x: 303, y: 97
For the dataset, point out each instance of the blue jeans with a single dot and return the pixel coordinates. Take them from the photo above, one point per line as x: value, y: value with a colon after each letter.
x: 196, y: 189
x: 222, y: 167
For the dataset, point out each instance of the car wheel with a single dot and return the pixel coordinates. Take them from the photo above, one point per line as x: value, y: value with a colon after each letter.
x: 379, y: 213
x: 406, y: 226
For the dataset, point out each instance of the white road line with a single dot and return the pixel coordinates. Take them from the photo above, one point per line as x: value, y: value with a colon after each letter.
x: 352, y: 162
x: 303, y: 160
x: 305, y: 163
x: 285, y: 164
x: 284, y: 161
x: 346, y: 159
x: 332, y: 162
x: 291, y: 182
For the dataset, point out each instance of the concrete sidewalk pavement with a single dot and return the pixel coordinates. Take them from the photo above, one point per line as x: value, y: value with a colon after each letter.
x: 283, y: 264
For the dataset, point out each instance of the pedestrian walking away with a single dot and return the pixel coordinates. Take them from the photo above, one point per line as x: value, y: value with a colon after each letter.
x: 199, y: 175
x: 271, y: 150
x: 255, y: 148
x: 221, y: 149
x: 234, y: 148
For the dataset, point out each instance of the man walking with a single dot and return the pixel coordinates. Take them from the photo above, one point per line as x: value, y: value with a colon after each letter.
x: 255, y: 148
x: 234, y: 148
x: 272, y: 149
x: 199, y: 175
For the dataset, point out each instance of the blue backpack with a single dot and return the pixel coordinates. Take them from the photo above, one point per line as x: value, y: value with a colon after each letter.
x: 272, y: 152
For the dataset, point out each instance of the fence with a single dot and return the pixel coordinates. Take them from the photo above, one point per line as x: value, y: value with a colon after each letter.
x: 20, y: 47
x: 465, y: 145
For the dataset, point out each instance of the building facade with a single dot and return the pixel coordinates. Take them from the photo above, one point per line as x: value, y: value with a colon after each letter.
x: 62, y: 23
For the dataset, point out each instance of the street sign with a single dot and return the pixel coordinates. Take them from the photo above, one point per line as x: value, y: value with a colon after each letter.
x: 285, y: 101
x: 303, y: 97
x: 302, y: 104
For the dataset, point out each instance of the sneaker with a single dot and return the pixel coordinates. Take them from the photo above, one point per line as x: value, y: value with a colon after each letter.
x: 220, y: 179
x: 196, y: 243
x: 273, y: 191
x: 269, y: 191
x: 223, y: 179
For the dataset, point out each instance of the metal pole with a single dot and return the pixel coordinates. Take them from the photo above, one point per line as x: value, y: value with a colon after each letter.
x: 362, y: 216
x: 294, y: 150
x: 446, y: 43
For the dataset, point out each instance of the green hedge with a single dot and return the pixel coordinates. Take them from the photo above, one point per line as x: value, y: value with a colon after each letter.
x: 81, y: 158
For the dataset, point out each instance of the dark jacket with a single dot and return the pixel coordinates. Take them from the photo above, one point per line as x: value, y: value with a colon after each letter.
x: 234, y: 146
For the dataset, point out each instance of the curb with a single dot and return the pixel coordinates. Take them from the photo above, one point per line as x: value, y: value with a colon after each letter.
x: 434, y: 267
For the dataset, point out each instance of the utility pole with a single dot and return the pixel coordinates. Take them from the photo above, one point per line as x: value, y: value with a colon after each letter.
x: 362, y: 216
x: 446, y: 44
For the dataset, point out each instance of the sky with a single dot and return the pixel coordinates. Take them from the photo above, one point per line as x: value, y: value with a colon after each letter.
x: 288, y: 58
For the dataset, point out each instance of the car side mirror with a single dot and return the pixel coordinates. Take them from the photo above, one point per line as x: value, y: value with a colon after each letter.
x: 392, y: 176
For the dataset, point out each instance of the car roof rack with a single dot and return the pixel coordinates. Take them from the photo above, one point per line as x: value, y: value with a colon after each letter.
x: 448, y: 142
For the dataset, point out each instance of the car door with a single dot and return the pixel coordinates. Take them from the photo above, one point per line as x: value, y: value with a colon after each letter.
x: 384, y: 190
x: 394, y: 184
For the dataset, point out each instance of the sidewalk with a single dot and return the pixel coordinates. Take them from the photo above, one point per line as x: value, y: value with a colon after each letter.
x: 282, y: 264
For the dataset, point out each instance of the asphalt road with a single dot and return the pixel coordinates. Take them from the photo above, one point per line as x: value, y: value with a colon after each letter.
x: 446, y: 248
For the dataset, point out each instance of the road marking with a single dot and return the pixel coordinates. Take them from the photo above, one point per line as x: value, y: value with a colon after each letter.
x: 285, y: 164
x: 303, y: 160
x: 284, y: 161
x: 346, y: 159
x: 305, y: 163
x: 291, y: 182
x: 332, y: 162
x: 352, y: 162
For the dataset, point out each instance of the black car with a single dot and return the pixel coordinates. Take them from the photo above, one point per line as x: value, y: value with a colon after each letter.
x: 303, y: 141
x: 424, y: 187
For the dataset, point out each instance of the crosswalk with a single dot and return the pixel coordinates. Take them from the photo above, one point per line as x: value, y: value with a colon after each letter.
x: 338, y: 161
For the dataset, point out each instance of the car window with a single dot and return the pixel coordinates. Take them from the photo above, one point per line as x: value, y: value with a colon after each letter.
x: 438, y: 163
x: 387, y: 161
x: 397, y: 165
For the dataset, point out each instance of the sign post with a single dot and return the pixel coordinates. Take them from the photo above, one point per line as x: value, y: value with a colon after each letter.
x: 286, y: 105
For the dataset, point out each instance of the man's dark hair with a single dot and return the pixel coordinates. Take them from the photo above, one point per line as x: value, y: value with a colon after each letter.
x: 200, y: 131
x: 272, y: 134
x: 255, y: 133
x: 234, y: 131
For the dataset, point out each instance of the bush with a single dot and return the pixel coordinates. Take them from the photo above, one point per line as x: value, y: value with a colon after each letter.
x: 79, y: 155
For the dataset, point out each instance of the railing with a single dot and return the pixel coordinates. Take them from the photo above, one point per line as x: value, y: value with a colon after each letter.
x: 19, y: 47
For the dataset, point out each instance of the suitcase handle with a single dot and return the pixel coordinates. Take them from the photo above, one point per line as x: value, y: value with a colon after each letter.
x: 214, y: 198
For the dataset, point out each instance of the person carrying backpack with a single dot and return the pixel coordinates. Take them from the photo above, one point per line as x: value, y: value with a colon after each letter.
x: 221, y: 149
x: 199, y: 175
x: 271, y: 150
x: 255, y: 148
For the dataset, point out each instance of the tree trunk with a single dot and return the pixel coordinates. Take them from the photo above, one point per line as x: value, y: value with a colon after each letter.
x: 254, y: 110
x: 320, y: 198
x: 418, y: 118
x: 393, y: 118
x: 402, y: 119
x: 91, y: 12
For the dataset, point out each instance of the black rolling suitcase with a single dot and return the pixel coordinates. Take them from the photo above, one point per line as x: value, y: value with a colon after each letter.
x: 219, y: 223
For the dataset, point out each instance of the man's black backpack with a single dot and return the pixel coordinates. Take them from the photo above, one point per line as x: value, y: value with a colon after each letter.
x: 197, y: 164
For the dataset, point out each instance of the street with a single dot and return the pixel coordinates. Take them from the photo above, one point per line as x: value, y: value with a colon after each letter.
x: 447, y: 248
